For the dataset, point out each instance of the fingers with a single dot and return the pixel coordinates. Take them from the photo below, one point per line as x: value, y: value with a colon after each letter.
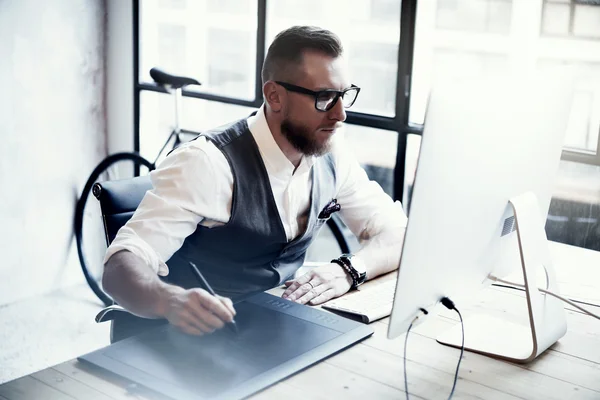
x: 217, y: 306
x: 313, y: 293
x: 200, y: 312
x: 228, y: 303
x: 319, y: 285
x: 203, y: 316
x: 323, y: 297
x: 190, y: 324
x: 214, y: 307
x: 191, y: 330
x: 302, y: 281
x: 306, y: 288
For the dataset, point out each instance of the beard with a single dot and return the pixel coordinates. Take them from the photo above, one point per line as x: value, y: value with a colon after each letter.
x: 303, y: 139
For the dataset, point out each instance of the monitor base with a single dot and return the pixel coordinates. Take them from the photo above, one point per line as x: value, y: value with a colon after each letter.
x: 547, y: 322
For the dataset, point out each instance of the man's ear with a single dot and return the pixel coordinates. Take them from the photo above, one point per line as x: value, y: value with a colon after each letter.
x: 273, y: 96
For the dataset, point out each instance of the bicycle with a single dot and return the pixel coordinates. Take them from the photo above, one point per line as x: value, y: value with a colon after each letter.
x: 88, y: 220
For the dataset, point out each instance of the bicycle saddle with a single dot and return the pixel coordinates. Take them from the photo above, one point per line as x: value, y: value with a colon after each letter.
x: 174, y: 81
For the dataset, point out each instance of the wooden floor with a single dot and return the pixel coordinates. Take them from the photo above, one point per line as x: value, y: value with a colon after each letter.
x: 373, y: 369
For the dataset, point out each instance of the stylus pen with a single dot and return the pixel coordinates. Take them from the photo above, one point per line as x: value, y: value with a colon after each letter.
x: 231, y: 325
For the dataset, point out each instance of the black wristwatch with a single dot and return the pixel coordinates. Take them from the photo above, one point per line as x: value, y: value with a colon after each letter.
x: 356, y: 269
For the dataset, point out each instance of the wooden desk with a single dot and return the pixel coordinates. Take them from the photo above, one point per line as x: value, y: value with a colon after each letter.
x: 373, y: 369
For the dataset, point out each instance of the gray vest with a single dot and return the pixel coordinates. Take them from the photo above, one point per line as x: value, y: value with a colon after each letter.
x: 250, y: 253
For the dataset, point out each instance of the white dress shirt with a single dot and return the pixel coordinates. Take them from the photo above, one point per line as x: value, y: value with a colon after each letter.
x: 194, y: 185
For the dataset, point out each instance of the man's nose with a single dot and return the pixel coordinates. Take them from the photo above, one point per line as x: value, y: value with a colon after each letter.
x: 338, y: 112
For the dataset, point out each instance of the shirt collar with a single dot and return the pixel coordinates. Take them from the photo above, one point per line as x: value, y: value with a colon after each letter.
x: 274, y: 159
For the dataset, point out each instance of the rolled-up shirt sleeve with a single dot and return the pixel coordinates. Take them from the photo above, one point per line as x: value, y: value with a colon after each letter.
x: 184, y: 194
x: 372, y: 215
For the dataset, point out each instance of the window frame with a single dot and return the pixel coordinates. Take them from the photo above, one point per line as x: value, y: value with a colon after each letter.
x: 399, y: 123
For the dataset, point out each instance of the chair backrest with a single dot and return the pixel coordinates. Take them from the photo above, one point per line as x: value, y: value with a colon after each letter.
x: 119, y: 200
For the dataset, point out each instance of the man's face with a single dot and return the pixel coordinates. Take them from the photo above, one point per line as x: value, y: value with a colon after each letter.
x: 306, y: 128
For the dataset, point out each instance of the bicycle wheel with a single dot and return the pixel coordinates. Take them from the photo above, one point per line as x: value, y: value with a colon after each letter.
x: 88, y: 224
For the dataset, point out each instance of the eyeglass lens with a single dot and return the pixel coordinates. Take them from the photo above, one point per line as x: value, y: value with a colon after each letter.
x: 326, y: 100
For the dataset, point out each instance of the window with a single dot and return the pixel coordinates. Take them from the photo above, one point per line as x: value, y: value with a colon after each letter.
x: 375, y: 150
x: 172, y: 4
x: 571, y: 18
x: 374, y: 65
x: 385, y: 11
x: 214, y: 42
x: 157, y: 117
x: 231, y: 7
x: 449, y: 64
x: 231, y: 62
x: 172, y: 46
x: 462, y: 39
x: 299, y: 10
x: 584, y: 122
x: 413, y: 147
x: 474, y: 15
x: 574, y: 212
x: 370, y: 42
x: 458, y: 38
x: 442, y: 55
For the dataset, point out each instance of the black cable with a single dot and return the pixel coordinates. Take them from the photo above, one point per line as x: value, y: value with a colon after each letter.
x: 449, y: 304
x: 522, y: 290
x: 405, y: 343
x: 425, y: 312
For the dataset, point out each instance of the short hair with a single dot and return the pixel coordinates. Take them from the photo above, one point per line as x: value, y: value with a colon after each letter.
x: 287, y: 50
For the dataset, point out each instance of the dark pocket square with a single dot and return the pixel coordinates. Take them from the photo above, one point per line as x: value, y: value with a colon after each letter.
x: 329, y: 209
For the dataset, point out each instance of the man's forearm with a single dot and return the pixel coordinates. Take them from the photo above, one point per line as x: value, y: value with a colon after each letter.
x: 381, y: 253
x: 135, y: 287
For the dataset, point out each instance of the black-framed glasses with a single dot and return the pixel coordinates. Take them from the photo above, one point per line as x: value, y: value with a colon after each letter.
x: 326, y: 99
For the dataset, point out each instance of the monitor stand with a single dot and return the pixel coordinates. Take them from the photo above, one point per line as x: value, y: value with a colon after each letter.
x: 503, y: 339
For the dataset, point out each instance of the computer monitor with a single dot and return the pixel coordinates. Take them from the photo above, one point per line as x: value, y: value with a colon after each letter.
x: 489, y: 154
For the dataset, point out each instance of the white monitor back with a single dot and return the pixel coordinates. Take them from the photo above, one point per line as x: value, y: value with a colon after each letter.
x: 483, y: 143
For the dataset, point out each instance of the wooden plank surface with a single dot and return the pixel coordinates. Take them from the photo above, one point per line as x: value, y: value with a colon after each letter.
x: 512, y: 379
x: 68, y: 385
x: 424, y: 381
x: 29, y: 388
x: 552, y: 363
x: 328, y: 381
x: 106, y: 383
x: 117, y: 388
x: 284, y: 390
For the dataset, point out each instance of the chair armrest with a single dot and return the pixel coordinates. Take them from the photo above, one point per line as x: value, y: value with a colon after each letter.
x: 110, y: 313
x: 125, y: 324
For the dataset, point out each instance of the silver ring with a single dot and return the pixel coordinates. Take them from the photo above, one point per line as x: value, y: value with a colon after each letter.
x: 311, y: 285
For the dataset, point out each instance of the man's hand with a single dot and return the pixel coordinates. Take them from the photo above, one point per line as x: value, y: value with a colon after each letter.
x: 319, y: 285
x: 196, y: 312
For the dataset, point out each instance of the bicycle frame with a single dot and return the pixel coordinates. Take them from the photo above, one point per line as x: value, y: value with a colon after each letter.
x: 177, y: 132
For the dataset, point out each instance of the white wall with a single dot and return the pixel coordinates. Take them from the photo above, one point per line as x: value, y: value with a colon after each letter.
x: 52, y: 133
x: 119, y: 75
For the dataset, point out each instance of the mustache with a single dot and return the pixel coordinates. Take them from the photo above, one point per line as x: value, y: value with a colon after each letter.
x: 337, y: 125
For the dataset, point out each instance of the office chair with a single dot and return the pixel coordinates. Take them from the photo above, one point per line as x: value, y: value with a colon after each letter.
x: 118, y: 201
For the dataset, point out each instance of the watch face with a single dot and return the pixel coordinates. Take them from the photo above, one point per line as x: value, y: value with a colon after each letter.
x: 359, y: 265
